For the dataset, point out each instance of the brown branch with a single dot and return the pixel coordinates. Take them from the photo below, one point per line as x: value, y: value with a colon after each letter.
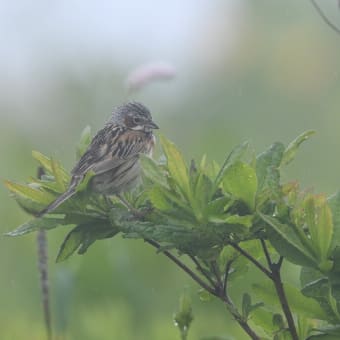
x: 179, y: 263
x: 212, y: 290
x: 217, y: 274
x: 226, y: 275
x: 238, y: 317
x: 276, y: 278
x: 324, y: 17
x: 202, y: 271
x: 252, y: 259
x: 279, y: 263
x: 266, y: 253
x: 283, y: 299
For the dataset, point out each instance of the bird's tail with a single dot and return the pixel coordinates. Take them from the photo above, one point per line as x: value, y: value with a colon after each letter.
x: 61, y: 199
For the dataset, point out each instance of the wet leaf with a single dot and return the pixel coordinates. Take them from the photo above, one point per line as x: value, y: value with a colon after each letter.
x: 320, y: 224
x: 267, y: 167
x: 176, y: 166
x: 29, y: 192
x: 240, y: 181
x: 34, y: 225
x: 334, y: 204
x: 60, y: 175
x: 300, y: 304
x: 287, y: 243
x: 152, y: 171
x: 291, y: 150
x: 82, y: 236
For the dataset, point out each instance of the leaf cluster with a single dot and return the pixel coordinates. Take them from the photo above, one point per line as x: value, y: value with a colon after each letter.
x: 215, y: 214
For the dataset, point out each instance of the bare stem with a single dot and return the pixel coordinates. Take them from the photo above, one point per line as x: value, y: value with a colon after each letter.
x: 266, y: 253
x: 276, y: 278
x: 215, y: 290
x: 202, y: 271
x: 283, y: 299
x: 238, y: 317
x: 174, y: 259
x: 226, y: 275
x: 216, y: 271
x: 252, y: 259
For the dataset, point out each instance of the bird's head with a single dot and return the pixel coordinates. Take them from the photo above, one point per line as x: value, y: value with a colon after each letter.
x: 134, y: 116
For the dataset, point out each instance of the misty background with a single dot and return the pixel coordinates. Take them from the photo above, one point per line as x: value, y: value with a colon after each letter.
x: 262, y: 71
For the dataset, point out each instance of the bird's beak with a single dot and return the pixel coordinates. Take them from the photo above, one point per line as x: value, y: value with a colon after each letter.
x: 152, y: 125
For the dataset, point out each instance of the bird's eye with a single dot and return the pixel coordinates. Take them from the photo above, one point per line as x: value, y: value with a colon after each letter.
x: 137, y: 120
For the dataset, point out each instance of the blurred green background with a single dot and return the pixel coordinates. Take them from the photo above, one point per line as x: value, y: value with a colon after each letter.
x: 261, y: 71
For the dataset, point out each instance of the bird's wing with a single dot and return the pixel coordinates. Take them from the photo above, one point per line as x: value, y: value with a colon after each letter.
x: 111, y: 147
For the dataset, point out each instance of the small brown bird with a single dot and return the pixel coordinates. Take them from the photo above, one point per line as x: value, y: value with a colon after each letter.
x: 113, y: 154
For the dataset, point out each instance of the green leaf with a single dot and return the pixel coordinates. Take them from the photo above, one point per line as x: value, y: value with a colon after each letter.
x: 84, y: 183
x: 320, y: 225
x: 204, y: 295
x: 159, y: 199
x: 246, y: 304
x: 84, y: 142
x: 240, y: 181
x: 71, y: 243
x: 278, y: 321
x: 82, y: 236
x: 29, y: 192
x: 334, y: 204
x: 264, y: 319
x: 218, y: 207
x: 29, y: 206
x: 176, y: 166
x: 291, y: 150
x: 298, y: 303
x: 50, y: 185
x: 227, y: 254
x: 34, y: 225
x: 167, y: 201
x: 54, y: 168
x: 184, y: 316
x: 324, y: 337
x: 285, y: 241
x: 235, y: 155
x: 328, y: 333
x: 60, y: 175
x: 267, y: 167
x: 44, y: 161
x: 317, y: 286
x: 217, y: 338
x: 153, y: 171
x: 246, y: 220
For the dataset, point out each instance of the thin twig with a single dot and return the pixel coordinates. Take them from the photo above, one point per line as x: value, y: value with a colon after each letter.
x: 226, y: 275
x: 324, y: 17
x: 214, y: 291
x: 217, y: 274
x: 238, y: 317
x: 279, y: 264
x: 184, y: 267
x: 266, y: 253
x: 283, y: 299
x: 276, y: 278
x: 252, y: 259
x: 201, y: 270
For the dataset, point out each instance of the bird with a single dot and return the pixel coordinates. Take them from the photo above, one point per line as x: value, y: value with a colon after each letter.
x: 113, y: 154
